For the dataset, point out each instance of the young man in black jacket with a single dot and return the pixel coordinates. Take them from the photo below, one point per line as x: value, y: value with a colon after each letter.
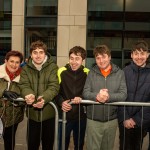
x: 134, y: 120
x: 72, y: 78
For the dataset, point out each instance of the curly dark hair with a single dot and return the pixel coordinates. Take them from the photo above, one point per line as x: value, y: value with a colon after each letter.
x: 38, y: 44
x: 140, y: 46
x: 78, y: 50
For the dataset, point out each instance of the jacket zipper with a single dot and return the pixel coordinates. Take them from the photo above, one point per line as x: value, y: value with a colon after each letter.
x: 74, y: 91
x: 39, y: 112
x: 104, y: 105
x: 136, y: 88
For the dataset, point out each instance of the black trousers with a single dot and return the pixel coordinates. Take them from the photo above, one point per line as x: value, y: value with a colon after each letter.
x: 131, y: 139
x: 78, y: 137
x: 41, y: 131
x: 9, y: 137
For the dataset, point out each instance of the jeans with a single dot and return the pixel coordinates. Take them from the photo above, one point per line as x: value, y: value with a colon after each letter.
x: 78, y: 129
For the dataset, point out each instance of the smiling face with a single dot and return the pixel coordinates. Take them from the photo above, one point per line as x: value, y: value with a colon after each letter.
x: 103, y: 61
x: 75, y: 61
x: 38, y: 55
x: 13, y: 63
x: 139, y: 57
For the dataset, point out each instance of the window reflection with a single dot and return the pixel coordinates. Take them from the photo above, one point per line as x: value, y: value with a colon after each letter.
x: 41, y: 7
x: 117, y: 26
x: 5, y: 28
x: 41, y: 24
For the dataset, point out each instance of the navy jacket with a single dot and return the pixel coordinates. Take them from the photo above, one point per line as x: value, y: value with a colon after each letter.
x: 138, y: 90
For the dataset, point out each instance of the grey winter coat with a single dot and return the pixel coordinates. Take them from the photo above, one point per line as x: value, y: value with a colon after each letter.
x: 116, y: 85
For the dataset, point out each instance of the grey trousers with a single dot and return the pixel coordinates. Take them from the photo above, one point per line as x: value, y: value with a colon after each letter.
x: 101, y: 135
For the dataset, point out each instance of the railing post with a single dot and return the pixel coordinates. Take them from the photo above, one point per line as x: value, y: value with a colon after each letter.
x: 64, y: 121
x: 56, y: 126
x: 89, y: 102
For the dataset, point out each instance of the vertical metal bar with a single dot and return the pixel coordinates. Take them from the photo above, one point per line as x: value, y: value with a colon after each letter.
x: 63, y: 130
x: 56, y: 126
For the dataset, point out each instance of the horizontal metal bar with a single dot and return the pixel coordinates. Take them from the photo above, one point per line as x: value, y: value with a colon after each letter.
x: 115, y: 103
x: 19, y: 99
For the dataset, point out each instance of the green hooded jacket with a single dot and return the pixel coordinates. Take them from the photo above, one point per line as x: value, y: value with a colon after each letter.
x: 40, y: 83
x: 12, y: 114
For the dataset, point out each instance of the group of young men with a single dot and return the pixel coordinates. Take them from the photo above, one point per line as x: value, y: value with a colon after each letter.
x: 41, y: 81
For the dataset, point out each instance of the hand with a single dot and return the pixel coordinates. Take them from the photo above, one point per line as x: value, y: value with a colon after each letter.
x: 76, y: 100
x: 132, y: 122
x: 39, y: 103
x: 66, y: 106
x: 128, y: 124
x: 30, y: 99
x: 10, y: 95
x: 102, y: 96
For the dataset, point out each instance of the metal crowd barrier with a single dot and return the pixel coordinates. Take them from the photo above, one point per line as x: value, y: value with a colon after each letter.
x: 90, y: 102
x: 56, y: 120
x: 64, y: 121
x: 56, y: 126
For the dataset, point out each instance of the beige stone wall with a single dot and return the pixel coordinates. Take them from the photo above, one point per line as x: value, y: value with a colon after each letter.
x: 18, y: 25
x: 71, y: 27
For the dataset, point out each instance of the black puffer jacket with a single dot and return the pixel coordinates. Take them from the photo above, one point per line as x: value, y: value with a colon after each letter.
x: 71, y: 85
x: 138, y: 90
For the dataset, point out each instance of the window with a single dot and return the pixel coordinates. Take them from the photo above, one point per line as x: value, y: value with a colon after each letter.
x: 118, y: 24
x: 41, y: 24
x: 5, y: 28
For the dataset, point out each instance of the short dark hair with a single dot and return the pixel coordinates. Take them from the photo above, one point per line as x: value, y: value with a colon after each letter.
x: 14, y: 53
x: 101, y: 49
x: 38, y: 44
x: 78, y: 50
x: 140, y: 46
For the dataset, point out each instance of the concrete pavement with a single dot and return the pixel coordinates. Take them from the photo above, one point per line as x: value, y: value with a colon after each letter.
x: 21, y: 139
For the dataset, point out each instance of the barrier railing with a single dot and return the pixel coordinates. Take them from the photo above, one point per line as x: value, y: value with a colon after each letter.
x: 56, y: 121
x: 90, y: 102
x: 56, y: 126
x: 87, y: 102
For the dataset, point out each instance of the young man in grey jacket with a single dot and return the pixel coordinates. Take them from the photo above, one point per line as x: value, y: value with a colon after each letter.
x: 105, y: 83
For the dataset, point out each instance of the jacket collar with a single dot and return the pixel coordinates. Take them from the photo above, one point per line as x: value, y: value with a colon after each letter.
x: 136, y: 68
x: 5, y: 76
x: 115, y: 68
x: 69, y: 68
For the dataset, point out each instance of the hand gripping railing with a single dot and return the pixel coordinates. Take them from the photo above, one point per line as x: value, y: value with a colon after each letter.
x: 90, y: 102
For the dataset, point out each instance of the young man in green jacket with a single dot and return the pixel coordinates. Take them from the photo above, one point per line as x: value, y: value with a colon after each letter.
x: 39, y: 85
